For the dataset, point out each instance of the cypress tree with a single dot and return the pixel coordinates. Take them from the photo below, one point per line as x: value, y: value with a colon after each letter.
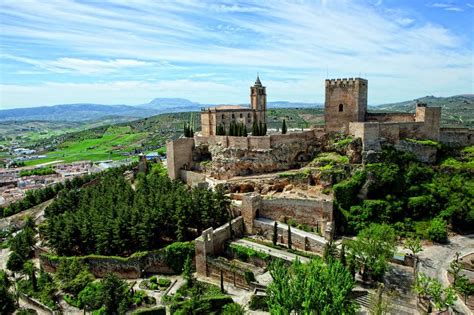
x: 260, y: 128
x: 283, y: 127
x: 222, y: 281
x: 343, y: 255
x: 245, y: 131
x: 254, y: 129
x: 289, y: 236
x: 275, y: 233
x: 264, y: 129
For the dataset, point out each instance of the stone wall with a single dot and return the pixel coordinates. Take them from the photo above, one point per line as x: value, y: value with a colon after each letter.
x: 310, y: 212
x: 299, y: 239
x: 390, y: 117
x: 128, y: 268
x: 424, y: 152
x: 211, y: 242
x: 193, y: 178
x: 179, y: 156
x: 232, y: 273
x: 457, y: 137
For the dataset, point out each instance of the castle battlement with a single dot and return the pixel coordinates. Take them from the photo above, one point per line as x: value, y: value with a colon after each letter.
x: 344, y: 82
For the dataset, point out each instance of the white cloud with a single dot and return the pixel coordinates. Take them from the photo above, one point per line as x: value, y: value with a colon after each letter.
x: 447, y: 6
x: 82, y: 66
x: 292, y: 42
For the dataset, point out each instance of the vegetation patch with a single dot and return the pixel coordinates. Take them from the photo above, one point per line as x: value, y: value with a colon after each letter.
x: 331, y: 158
x: 431, y: 143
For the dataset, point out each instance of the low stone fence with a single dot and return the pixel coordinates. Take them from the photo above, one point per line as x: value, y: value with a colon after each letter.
x: 130, y: 267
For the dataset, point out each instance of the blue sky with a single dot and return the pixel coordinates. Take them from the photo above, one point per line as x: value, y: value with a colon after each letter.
x: 129, y: 52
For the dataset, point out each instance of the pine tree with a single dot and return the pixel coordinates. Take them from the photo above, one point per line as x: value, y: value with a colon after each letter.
x: 283, y: 127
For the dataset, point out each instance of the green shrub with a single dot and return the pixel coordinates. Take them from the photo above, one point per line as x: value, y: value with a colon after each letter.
x: 176, y: 254
x: 163, y: 282
x: 258, y: 302
x: 437, y: 231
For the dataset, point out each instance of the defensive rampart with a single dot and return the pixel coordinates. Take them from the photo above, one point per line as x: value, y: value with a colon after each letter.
x: 315, y: 213
x: 211, y: 243
x: 130, y: 267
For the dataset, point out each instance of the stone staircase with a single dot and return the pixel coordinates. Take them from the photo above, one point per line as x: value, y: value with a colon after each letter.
x: 402, y: 305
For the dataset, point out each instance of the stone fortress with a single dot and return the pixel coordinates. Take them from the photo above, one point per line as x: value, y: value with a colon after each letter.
x: 277, y: 177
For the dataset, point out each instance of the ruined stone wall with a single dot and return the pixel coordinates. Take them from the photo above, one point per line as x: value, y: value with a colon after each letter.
x: 457, y: 137
x: 302, y: 241
x: 390, y: 117
x: 431, y: 118
x: 424, y: 152
x: 232, y: 273
x: 179, y: 156
x: 192, y: 178
x: 211, y: 242
x: 311, y: 212
x: 127, y: 268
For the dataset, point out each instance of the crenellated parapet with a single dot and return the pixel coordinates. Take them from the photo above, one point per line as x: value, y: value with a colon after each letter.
x: 344, y: 82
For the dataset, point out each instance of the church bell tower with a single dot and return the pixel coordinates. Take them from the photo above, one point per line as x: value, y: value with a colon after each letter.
x: 258, y: 100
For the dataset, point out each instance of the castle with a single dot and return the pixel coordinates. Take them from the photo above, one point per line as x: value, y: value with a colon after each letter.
x: 345, y: 112
x: 277, y: 178
x: 225, y: 115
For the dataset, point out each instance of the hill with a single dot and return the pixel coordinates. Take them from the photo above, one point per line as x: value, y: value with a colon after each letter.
x: 456, y: 110
x: 93, y: 112
x: 73, y: 112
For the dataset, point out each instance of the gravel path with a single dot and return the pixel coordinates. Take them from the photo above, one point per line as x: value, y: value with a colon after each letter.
x: 435, y: 261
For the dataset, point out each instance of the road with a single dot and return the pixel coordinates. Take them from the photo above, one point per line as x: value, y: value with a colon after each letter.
x: 435, y: 261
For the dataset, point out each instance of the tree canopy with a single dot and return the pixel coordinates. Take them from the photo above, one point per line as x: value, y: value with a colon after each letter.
x: 112, y: 218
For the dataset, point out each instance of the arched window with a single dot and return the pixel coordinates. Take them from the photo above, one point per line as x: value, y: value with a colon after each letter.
x: 233, y: 116
x: 341, y: 107
x: 248, y: 115
x: 241, y: 115
x: 223, y: 116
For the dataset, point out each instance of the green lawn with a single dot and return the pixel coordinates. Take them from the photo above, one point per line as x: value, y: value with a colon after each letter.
x: 116, y: 140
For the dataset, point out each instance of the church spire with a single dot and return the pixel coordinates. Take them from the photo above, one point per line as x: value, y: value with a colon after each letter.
x: 257, y: 82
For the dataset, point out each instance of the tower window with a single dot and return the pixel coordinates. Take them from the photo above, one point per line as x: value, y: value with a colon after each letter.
x: 248, y: 115
x: 241, y: 115
x: 233, y: 116
x: 341, y: 107
x: 223, y: 116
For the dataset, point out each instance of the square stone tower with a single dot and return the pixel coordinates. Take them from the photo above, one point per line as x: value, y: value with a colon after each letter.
x: 258, y: 100
x: 346, y: 101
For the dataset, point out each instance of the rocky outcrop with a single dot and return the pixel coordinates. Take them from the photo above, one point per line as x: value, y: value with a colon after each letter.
x: 230, y: 162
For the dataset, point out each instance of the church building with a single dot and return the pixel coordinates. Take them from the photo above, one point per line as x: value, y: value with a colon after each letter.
x: 225, y: 115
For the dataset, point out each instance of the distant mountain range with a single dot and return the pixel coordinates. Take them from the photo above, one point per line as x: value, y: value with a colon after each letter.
x: 90, y: 112
x: 456, y: 109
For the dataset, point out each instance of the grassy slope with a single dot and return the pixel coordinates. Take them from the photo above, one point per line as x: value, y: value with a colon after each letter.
x: 102, y: 143
x: 116, y: 139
